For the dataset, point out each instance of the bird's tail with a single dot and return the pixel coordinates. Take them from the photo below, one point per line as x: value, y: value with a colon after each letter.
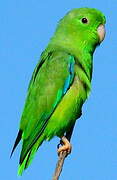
x: 30, y: 155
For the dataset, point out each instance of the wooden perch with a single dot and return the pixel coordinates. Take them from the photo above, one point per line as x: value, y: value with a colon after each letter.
x: 59, y: 165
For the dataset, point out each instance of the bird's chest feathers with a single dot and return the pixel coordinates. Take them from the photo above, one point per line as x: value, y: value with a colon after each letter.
x: 82, y: 83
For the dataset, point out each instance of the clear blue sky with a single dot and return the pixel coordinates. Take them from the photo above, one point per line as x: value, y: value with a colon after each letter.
x: 25, y: 29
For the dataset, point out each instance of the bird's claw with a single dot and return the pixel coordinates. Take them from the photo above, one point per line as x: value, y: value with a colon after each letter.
x: 60, y: 144
x: 66, y: 146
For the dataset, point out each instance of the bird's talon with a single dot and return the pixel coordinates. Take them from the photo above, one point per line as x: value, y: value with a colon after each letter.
x: 58, y: 146
x: 61, y: 142
x: 66, y: 146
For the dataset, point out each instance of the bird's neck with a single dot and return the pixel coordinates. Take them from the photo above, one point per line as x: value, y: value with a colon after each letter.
x: 82, y: 51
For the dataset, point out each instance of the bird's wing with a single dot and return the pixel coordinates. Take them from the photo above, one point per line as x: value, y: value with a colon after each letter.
x: 24, y: 122
x: 49, y: 84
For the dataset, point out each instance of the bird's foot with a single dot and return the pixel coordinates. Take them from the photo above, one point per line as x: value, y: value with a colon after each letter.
x: 66, y: 146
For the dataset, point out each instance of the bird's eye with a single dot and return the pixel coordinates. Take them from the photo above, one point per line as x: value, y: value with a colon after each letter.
x: 84, y: 20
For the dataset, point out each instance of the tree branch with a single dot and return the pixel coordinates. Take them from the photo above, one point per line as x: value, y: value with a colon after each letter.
x: 59, y: 165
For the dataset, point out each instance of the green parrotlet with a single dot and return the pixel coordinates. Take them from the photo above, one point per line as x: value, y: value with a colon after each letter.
x: 60, y: 83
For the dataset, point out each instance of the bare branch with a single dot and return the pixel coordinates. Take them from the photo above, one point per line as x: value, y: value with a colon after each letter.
x: 59, y: 165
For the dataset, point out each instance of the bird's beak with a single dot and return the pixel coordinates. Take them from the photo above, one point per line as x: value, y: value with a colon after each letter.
x: 101, y: 32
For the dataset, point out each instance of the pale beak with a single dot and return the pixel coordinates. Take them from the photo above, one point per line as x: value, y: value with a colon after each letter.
x: 101, y: 32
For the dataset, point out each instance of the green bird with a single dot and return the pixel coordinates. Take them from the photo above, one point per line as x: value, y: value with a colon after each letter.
x: 60, y: 83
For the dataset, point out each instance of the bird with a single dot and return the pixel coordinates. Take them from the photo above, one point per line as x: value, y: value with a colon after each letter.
x: 60, y: 83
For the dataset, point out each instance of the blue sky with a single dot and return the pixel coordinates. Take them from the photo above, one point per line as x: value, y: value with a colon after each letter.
x: 25, y: 29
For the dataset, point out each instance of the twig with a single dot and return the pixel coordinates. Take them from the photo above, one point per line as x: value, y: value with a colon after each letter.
x: 59, y: 165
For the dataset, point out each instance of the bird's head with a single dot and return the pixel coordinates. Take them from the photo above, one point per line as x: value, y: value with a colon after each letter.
x: 83, y: 27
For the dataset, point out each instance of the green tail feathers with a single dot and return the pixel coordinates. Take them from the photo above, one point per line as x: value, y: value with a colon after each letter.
x: 22, y: 167
x: 30, y: 155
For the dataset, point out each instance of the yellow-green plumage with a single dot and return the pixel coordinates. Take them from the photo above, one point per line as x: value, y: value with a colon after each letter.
x: 60, y: 83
